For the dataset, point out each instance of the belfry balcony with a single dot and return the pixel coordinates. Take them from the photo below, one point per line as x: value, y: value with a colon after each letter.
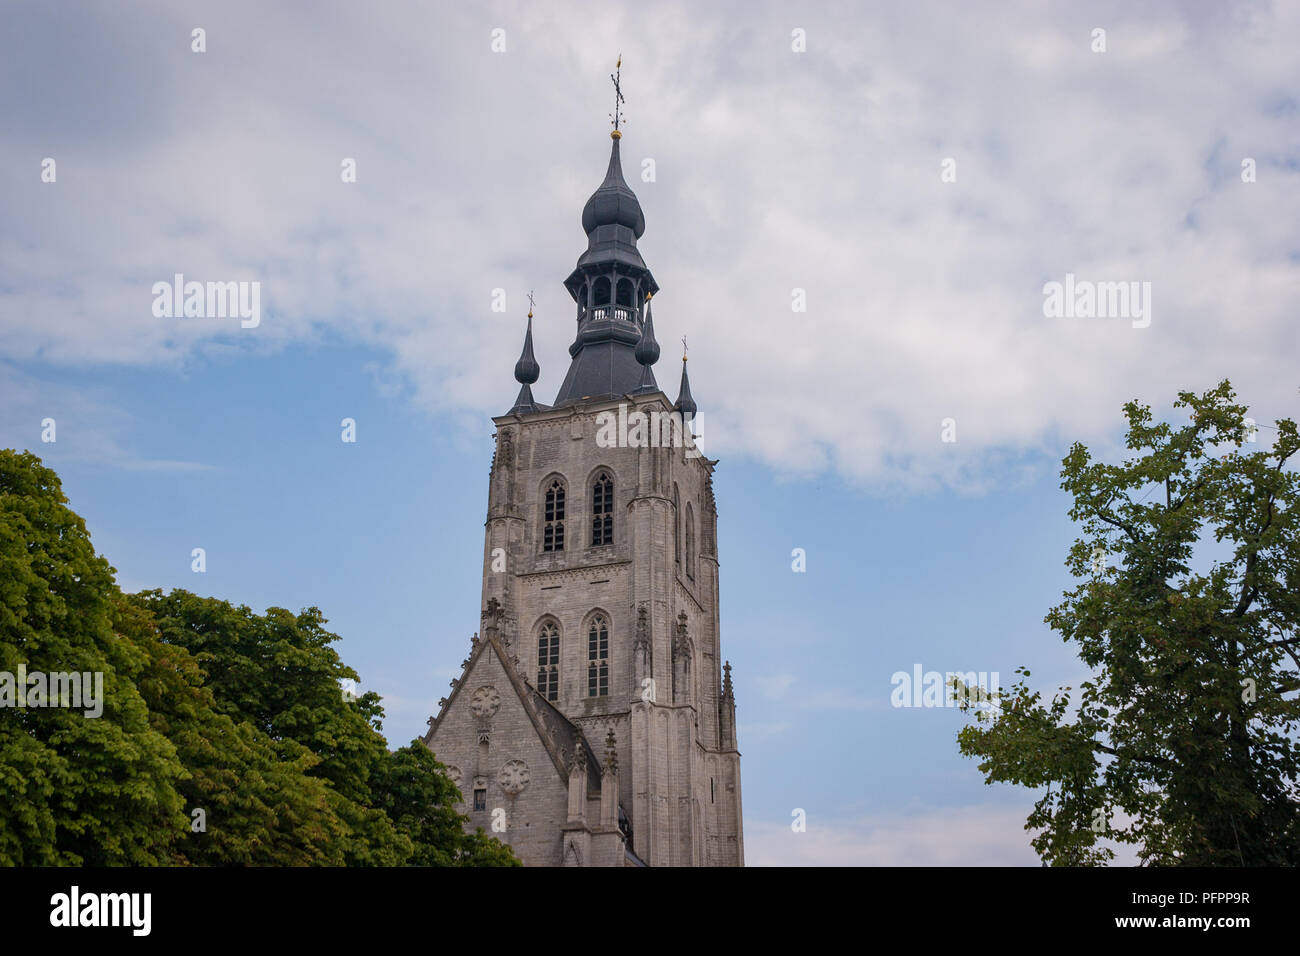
x: 605, y: 313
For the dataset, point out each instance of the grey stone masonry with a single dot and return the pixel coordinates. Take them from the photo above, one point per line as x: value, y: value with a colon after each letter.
x: 594, y: 711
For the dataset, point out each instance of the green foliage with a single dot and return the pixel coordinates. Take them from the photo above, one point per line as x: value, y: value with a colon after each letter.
x: 208, y: 707
x: 419, y: 798
x: 277, y: 672
x: 76, y: 790
x: 260, y: 806
x: 1184, y: 741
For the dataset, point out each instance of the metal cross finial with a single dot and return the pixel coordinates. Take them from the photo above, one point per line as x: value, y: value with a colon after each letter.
x: 530, y: 303
x: 683, y: 348
x: 618, y: 91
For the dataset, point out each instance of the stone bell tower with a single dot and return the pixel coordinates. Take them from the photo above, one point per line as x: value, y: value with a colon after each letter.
x: 605, y: 729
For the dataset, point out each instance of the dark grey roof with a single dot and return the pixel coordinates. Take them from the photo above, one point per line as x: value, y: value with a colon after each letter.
x: 613, y: 203
x: 527, y: 369
x: 526, y: 372
x: 613, y: 222
x: 685, y: 403
x: 647, y: 349
x: 605, y: 360
x: 647, y: 352
x: 603, y: 369
x: 565, y: 734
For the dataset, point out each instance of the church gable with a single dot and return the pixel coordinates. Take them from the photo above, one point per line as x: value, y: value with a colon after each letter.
x: 502, y: 755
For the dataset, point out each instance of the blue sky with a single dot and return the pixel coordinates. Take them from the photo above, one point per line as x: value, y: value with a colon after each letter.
x: 774, y: 170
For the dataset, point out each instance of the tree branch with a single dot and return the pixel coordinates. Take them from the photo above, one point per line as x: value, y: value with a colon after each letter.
x: 1154, y: 761
x: 1248, y: 590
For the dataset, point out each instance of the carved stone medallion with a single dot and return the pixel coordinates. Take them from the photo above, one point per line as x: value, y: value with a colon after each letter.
x: 485, y: 701
x: 513, y: 776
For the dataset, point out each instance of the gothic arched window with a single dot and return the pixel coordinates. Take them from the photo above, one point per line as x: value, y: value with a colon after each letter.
x: 690, y: 541
x: 602, y: 509
x: 548, y: 661
x: 553, y: 517
x: 598, y: 656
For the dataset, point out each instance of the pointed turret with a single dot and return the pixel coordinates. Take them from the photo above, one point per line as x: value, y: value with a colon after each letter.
x: 647, y: 352
x: 727, y: 712
x: 611, y: 752
x: 613, y: 202
x: 526, y: 372
x: 610, y: 286
x: 685, y: 403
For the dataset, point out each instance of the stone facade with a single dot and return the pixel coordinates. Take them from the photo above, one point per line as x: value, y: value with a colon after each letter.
x: 663, y: 779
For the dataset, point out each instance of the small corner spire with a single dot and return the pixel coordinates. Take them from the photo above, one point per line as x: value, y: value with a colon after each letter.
x: 647, y: 350
x: 526, y: 369
x: 685, y: 403
x: 611, y: 752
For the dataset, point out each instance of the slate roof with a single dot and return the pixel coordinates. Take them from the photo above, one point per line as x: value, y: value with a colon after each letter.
x: 604, y: 362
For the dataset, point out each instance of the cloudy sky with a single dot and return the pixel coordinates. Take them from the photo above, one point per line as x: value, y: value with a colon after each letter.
x: 911, y: 174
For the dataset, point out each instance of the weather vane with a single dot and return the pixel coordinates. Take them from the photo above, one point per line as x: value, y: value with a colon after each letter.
x: 618, y: 91
x: 530, y: 303
x: 683, y: 348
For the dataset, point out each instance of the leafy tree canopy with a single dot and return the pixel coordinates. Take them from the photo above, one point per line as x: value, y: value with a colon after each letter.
x: 1184, y: 742
x: 225, y: 738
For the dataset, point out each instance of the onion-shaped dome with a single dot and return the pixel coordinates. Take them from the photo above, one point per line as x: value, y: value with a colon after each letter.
x: 613, y: 203
x: 526, y: 369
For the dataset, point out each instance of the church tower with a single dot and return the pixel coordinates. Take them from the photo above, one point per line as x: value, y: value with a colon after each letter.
x: 593, y: 723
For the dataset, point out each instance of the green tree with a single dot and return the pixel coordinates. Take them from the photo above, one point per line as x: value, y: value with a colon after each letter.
x: 278, y: 672
x: 420, y: 800
x: 206, y: 707
x: 258, y: 804
x: 1183, y: 743
x: 77, y: 789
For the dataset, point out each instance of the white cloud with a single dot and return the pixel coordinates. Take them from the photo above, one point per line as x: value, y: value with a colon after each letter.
x: 775, y: 170
x: 980, y: 835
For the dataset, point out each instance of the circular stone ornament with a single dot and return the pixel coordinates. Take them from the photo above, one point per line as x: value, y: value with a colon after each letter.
x: 485, y: 701
x: 513, y: 776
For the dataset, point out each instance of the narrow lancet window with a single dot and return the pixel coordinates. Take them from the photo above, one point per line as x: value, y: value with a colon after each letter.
x: 602, y: 510
x: 598, y: 657
x: 548, y: 661
x: 553, y: 517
